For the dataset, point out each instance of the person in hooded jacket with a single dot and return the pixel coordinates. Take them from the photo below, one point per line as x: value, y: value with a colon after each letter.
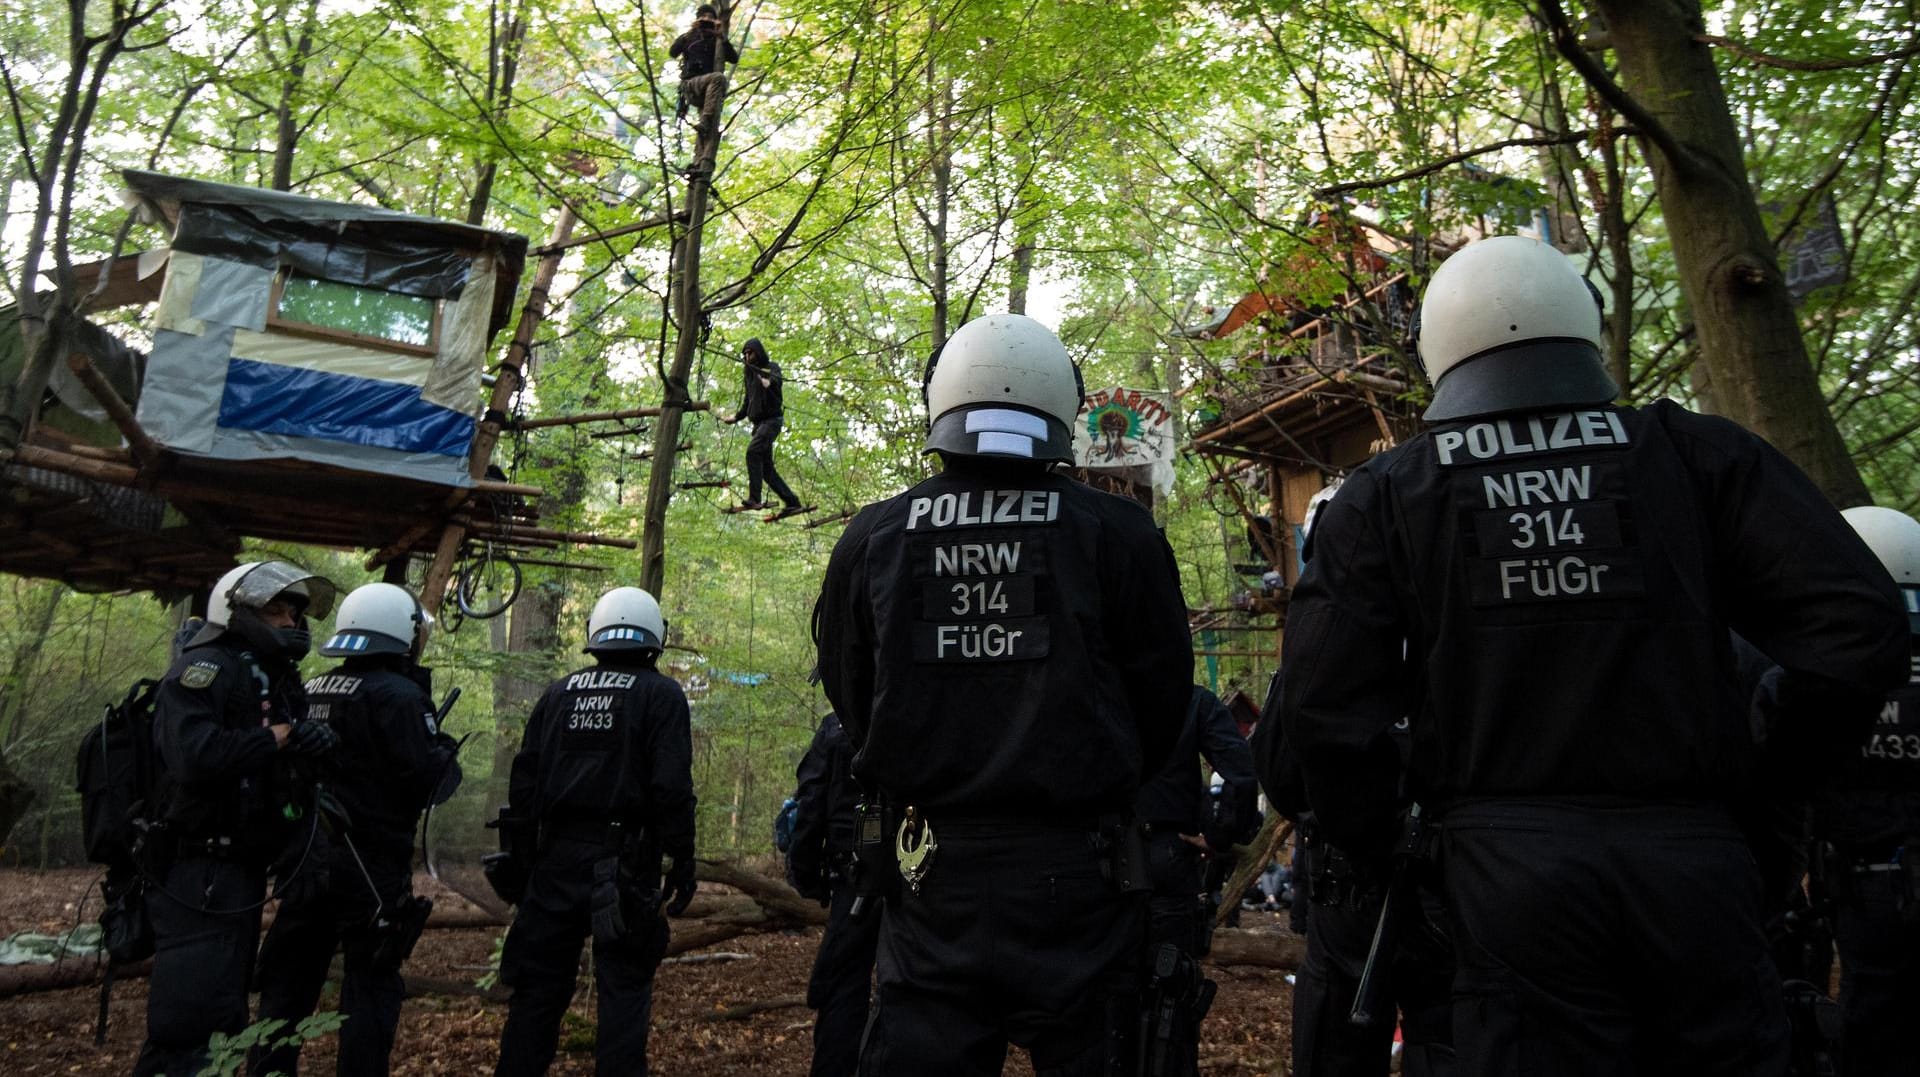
x: 762, y: 405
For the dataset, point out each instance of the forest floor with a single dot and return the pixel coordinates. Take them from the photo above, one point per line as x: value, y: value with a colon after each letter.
x: 51, y: 1032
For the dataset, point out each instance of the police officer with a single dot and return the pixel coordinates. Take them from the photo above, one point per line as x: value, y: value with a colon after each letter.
x: 1869, y: 814
x: 1545, y: 583
x: 1185, y: 822
x: 1008, y: 651
x: 391, y: 761
x: 820, y: 866
x: 1337, y: 905
x: 228, y: 710
x: 602, y: 788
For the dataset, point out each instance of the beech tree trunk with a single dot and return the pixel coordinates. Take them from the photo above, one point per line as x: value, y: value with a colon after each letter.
x: 1729, y: 271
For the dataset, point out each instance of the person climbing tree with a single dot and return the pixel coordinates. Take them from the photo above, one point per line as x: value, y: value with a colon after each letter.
x: 703, y: 77
x: 761, y: 406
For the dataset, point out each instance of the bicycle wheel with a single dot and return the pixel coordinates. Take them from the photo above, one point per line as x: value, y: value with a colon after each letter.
x: 450, y: 617
x: 488, y: 585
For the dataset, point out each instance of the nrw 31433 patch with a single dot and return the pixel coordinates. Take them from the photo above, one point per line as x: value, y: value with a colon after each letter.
x: 200, y: 674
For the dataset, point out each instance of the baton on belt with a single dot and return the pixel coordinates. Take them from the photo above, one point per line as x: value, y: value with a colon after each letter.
x: 1386, y: 932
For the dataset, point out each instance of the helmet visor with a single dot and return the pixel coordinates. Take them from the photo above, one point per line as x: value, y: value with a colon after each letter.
x: 270, y: 579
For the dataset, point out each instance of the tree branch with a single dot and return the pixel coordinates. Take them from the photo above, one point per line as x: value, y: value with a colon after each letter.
x: 1786, y: 63
x: 1567, y: 43
x: 1571, y: 138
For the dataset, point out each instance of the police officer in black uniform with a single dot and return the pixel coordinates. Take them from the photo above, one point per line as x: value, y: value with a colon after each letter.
x: 391, y: 762
x: 601, y: 790
x: 228, y: 711
x: 1008, y: 651
x: 1337, y: 905
x: 1184, y: 823
x: 1869, y: 815
x: 1545, y: 583
x: 820, y: 866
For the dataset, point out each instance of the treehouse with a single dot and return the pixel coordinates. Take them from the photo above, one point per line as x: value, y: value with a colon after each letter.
x: 1314, y: 395
x: 316, y: 374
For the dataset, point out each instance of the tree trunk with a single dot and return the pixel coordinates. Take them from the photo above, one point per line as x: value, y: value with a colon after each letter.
x: 1729, y: 270
x: 689, y: 318
x: 503, y: 65
x: 286, y: 127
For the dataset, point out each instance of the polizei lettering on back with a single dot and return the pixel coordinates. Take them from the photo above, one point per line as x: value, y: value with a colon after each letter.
x: 333, y: 684
x: 978, y: 508
x: 1523, y: 435
x: 591, y: 679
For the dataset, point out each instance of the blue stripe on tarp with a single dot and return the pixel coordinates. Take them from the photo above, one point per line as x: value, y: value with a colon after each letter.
x: 299, y: 402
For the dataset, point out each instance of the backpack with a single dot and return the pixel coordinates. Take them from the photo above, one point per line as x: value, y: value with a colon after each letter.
x: 114, y: 775
x: 783, y: 825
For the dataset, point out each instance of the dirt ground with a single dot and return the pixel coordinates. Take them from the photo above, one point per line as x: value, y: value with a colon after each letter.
x: 52, y: 1032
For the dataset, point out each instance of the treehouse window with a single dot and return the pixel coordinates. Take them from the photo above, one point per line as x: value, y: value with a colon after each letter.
x: 352, y: 313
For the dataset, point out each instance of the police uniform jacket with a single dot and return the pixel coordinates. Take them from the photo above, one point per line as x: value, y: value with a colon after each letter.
x: 610, y: 743
x: 217, y: 774
x: 825, y: 798
x: 1871, y: 805
x: 1003, y: 641
x: 1549, y: 597
x: 391, y: 756
x: 1175, y: 796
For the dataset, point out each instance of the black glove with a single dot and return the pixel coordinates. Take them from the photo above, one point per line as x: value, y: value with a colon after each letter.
x: 680, y: 885
x: 507, y: 876
x: 311, y: 739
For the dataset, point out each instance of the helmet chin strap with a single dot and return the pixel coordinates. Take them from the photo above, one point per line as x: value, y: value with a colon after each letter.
x: 290, y: 644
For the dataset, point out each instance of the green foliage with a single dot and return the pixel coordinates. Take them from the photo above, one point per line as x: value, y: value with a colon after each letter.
x: 888, y: 171
x: 227, y: 1055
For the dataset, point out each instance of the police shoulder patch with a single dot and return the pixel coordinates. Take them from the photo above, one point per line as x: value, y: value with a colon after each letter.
x: 200, y: 674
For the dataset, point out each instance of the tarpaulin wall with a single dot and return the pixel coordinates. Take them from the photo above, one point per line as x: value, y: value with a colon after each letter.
x: 221, y: 382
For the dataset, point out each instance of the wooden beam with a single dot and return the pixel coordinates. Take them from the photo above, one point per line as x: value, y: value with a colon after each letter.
x: 511, y: 533
x: 605, y: 416
x: 642, y: 225
x: 512, y: 368
x: 142, y: 446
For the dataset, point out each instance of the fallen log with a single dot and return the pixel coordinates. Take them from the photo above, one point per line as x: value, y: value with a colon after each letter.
x: 73, y: 972
x: 772, y: 894
x: 1255, y: 857
x: 748, y: 1009
x: 1261, y: 949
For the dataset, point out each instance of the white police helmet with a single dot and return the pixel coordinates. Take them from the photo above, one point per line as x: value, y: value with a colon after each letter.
x: 256, y: 583
x: 1003, y: 385
x: 626, y: 619
x: 379, y: 618
x: 1509, y: 324
x: 1894, y: 537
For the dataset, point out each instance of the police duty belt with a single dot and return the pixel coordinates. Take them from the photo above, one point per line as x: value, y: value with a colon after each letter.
x: 913, y: 848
